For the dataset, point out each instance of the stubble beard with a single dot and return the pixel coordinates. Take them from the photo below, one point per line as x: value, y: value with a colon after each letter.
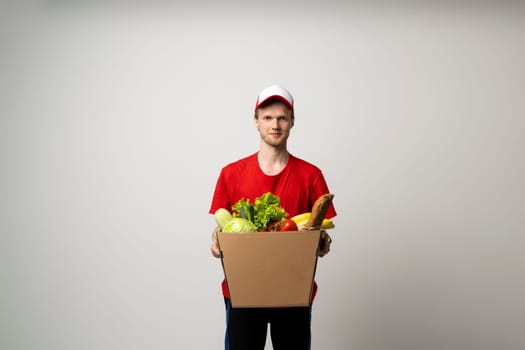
x: 277, y: 144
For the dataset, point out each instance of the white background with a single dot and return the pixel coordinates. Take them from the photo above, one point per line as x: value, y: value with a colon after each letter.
x: 116, y: 119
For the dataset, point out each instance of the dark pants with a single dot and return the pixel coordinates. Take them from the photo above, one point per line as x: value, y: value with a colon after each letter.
x: 246, y: 328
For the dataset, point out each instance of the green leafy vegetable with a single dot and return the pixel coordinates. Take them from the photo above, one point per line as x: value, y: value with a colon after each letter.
x: 222, y: 217
x: 265, y: 210
x: 239, y: 225
x: 241, y: 209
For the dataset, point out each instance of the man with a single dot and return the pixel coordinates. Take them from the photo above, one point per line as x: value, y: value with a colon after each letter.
x: 298, y: 184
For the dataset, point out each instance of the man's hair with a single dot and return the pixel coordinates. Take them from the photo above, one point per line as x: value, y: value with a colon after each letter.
x: 268, y: 103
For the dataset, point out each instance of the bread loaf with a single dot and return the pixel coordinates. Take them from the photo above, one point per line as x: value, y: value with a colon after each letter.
x: 319, y: 210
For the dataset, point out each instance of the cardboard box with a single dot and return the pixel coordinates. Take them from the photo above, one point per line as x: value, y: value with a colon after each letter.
x: 269, y: 269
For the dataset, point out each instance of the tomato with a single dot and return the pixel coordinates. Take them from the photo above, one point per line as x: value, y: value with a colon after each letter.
x: 288, y: 225
x: 283, y: 225
x: 274, y: 226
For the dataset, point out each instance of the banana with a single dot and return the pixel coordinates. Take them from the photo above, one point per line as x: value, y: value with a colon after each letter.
x: 302, y: 219
x: 327, y: 224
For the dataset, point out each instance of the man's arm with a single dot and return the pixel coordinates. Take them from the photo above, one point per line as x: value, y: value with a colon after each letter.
x: 215, y: 243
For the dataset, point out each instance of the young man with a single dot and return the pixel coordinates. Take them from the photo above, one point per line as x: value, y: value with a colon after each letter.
x: 298, y: 184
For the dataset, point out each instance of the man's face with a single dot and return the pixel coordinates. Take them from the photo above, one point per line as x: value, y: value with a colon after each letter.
x: 274, y: 123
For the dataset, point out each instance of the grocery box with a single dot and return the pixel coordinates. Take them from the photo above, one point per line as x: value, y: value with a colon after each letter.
x: 269, y: 269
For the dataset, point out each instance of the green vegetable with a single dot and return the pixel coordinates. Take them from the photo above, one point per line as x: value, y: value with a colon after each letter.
x: 243, y: 209
x: 239, y: 225
x: 222, y: 217
x: 265, y: 210
x: 243, y: 213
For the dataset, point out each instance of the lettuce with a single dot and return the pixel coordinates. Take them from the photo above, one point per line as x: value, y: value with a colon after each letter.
x: 265, y: 210
x: 222, y: 217
x: 239, y: 225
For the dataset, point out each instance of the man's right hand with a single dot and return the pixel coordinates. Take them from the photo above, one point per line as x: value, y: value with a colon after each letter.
x: 215, y: 251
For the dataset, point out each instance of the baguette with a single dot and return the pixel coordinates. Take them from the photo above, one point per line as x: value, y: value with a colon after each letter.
x: 319, y: 210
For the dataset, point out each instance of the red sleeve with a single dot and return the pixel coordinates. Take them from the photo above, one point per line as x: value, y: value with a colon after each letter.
x: 221, y: 199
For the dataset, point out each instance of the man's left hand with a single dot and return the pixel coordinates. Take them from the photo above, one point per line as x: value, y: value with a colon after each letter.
x: 326, y: 241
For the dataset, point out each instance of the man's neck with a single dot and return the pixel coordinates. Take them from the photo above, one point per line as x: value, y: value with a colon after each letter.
x: 272, y: 160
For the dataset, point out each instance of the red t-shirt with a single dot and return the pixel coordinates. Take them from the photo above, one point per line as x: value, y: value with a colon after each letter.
x: 298, y: 186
